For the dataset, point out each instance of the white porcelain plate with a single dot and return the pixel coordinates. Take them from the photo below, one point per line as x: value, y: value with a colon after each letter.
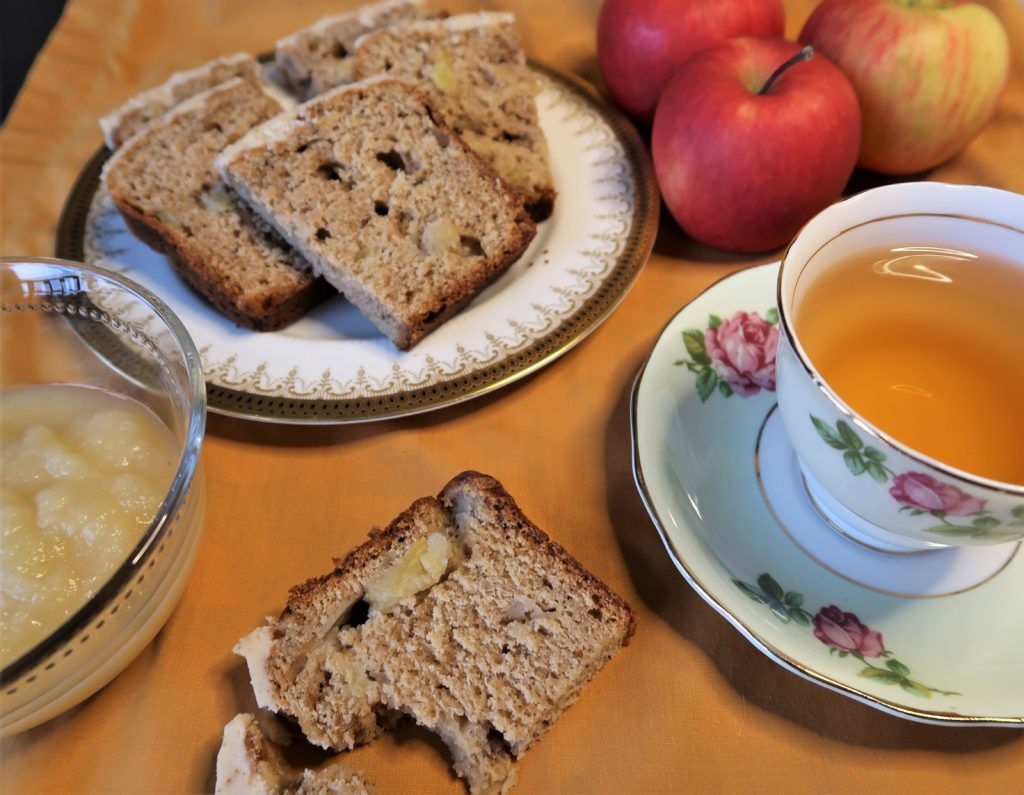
x: 699, y: 407
x: 333, y: 366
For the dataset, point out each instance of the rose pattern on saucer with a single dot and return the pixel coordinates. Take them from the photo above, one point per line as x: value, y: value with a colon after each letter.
x: 736, y: 356
x: 919, y: 492
x: 844, y: 633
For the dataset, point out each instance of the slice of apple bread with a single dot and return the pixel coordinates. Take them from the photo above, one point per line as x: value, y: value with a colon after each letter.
x: 382, y: 198
x: 165, y: 185
x: 319, y: 58
x: 462, y: 615
x: 472, y: 69
x: 124, y: 122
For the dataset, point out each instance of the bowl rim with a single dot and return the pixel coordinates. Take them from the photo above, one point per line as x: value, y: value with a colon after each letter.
x: 176, y: 494
x: 1003, y: 487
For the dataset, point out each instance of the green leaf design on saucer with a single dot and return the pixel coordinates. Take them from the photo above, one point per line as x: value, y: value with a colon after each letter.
x: 693, y: 340
x: 844, y: 634
x: 707, y: 379
x: 786, y: 605
x: 745, y: 357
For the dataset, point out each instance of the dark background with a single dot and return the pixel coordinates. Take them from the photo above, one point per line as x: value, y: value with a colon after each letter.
x: 24, y: 26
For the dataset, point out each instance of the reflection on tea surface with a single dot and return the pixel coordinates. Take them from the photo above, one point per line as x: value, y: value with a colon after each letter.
x: 927, y: 344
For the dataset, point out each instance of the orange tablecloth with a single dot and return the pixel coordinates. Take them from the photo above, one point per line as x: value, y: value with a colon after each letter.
x: 688, y: 706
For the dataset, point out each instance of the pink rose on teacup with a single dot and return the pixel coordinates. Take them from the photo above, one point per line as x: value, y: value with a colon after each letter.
x: 925, y: 493
x: 845, y: 632
x: 743, y: 349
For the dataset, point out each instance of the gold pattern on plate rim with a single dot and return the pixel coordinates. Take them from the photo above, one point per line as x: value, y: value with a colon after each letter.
x: 759, y: 642
x: 613, y: 261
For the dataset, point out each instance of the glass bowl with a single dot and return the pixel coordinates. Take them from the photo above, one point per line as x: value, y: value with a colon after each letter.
x: 68, y: 323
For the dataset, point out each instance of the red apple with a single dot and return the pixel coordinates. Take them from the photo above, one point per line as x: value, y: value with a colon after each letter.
x: 641, y: 43
x: 746, y: 153
x: 928, y: 74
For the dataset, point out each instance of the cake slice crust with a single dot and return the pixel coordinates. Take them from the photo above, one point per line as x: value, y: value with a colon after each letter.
x: 486, y: 649
x: 131, y: 117
x: 318, y: 58
x: 165, y: 185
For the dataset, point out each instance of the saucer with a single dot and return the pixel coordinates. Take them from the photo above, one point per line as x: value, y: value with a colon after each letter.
x: 704, y: 447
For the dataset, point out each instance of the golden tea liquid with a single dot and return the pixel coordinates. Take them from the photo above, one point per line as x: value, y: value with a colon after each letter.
x: 927, y: 344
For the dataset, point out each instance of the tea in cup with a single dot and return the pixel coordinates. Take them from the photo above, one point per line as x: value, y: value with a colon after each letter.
x: 901, y: 365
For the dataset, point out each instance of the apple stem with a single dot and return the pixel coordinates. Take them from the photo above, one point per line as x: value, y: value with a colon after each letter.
x: 804, y: 55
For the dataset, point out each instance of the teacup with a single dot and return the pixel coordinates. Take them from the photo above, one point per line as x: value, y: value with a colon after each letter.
x: 864, y: 482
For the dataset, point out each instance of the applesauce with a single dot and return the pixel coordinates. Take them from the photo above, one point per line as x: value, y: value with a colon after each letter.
x: 82, y: 475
